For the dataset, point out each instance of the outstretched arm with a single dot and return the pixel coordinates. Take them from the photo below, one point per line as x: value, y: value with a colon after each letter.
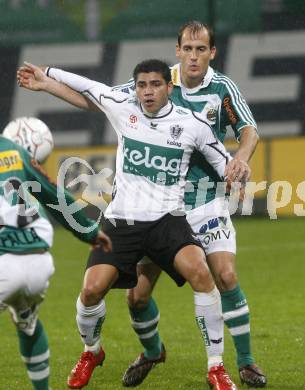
x: 33, y: 78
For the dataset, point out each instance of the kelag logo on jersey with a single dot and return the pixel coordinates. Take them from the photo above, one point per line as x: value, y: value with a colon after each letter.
x: 159, y: 164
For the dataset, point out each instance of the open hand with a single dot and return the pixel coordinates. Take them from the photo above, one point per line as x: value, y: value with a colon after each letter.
x: 31, y: 77
x: 237, y: 171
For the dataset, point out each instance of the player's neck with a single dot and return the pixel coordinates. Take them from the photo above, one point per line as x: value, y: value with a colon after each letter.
x: 163, y: 110
x: 191, y: 83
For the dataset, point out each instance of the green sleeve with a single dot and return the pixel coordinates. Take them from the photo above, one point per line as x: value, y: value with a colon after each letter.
x: 236, y: 111
x: 50, y: 195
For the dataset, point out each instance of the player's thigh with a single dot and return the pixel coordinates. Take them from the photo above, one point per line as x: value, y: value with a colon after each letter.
x: 127, y: 251
x: 40, y: 268
x: 170, y: 236
x: 148, y: 275
x: 190, y: 261
x: 12, y: 277
x: 98, y: 280
x: 213, y: 226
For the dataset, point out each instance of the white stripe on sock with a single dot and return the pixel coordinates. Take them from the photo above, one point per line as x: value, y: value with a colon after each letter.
x: 238, y: 330
x: 38, y: 375
x: 236, y: 313
x: 149, y: 334
x: 36, y: 359
x: 143, y: 325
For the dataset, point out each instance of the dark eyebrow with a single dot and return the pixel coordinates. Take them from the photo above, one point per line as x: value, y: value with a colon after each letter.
x: 196, y: 47
x: 149, y: 82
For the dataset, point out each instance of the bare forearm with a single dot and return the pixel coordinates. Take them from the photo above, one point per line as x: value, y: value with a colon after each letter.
x: 238, y: 168
x: 67, y: 94
x: 74, y: 83
x: 33, y: 78
x: 248, y: 141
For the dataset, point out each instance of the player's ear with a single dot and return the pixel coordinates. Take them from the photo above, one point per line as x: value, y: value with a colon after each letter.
x: 213, y: 52
x: 177, y: 50
x: 170, y: 87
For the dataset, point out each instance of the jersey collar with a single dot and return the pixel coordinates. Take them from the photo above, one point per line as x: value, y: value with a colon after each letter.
x: 176, y: 77
x: 167, y: 109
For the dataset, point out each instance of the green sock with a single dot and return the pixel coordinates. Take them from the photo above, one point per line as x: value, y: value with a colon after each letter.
x: 35, y: 354
x: 236, y: 316
x: 145, y: 323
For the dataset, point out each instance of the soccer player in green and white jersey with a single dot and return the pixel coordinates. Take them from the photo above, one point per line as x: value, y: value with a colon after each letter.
x: 25, y: 262
x: 201, y: 88
x: 155, y: 142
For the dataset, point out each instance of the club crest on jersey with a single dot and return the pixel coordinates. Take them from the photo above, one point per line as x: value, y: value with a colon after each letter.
x: 211, y: 114
x: 176, y: 131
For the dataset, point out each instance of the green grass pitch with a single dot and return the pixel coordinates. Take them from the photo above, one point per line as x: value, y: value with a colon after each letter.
x: 271, y: 268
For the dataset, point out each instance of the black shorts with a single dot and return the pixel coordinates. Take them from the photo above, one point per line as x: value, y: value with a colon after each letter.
x: 159, y: 240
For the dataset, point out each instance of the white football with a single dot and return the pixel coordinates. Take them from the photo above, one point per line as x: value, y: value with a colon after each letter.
x: 32, y: 134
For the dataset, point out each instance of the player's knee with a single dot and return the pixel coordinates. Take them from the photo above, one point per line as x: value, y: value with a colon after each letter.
x: 92, y: 294
x: 26, y: 319
x: 226, y: 280
x: 201, y: 279
x: 137, y: 299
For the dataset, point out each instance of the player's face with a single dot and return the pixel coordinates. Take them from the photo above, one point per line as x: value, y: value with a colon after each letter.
x: 195, y: 55
x: 152, y: 91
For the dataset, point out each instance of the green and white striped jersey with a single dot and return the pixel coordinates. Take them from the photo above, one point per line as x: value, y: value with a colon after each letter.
x: 24, y: 226
x: 221, y: 105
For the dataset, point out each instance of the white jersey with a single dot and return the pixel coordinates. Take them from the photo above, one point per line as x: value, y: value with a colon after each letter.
x: 153, y: 151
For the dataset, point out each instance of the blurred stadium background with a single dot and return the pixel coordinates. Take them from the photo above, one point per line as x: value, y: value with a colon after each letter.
x: 260, y: 46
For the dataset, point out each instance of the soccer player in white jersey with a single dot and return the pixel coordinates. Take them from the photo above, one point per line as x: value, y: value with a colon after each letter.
x: 146, y: 215
x: 25, y: 262
x: 201, y: 88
